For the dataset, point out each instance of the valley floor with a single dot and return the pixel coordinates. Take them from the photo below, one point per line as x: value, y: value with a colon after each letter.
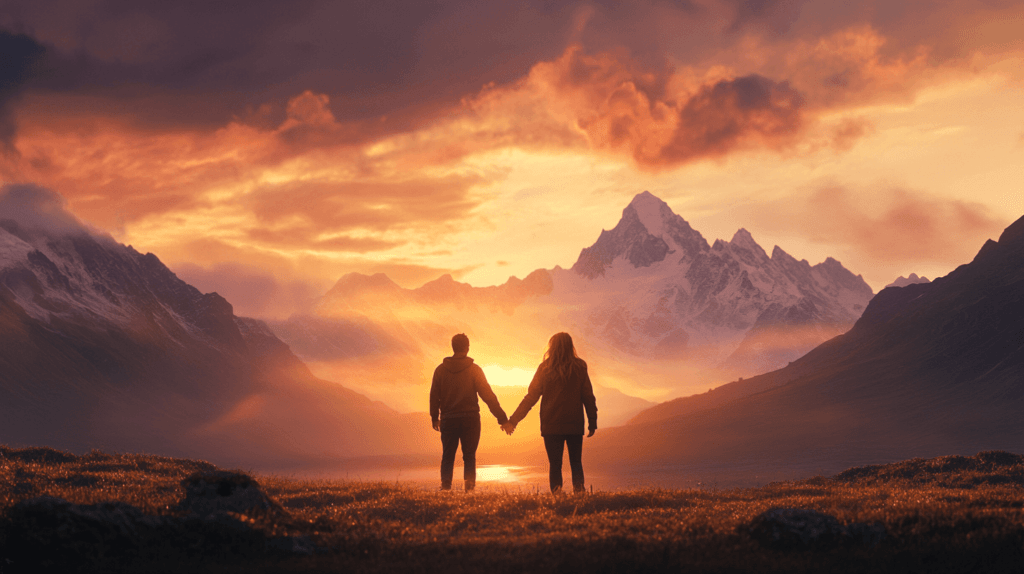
x: 145, y: 513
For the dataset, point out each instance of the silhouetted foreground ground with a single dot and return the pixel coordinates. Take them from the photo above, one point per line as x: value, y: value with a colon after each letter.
x: 102, y: 512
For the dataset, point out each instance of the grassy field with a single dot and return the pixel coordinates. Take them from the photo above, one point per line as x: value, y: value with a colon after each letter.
x: 951, y: 514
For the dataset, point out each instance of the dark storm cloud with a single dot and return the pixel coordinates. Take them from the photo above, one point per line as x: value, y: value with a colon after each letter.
x: 622, y: 105
x: 394, y: 65
x: 776, y: 16
x: 196, y: 63
x: 20, y: 60
x: 721, y: 116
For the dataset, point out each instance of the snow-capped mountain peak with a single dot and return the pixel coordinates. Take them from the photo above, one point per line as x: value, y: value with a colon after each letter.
x: 652, y: 212
x: 681, y: 297
x: 647, y: 232
x: 743, y: 240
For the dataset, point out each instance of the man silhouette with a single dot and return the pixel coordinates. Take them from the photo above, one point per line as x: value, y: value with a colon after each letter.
x: 455, y: 411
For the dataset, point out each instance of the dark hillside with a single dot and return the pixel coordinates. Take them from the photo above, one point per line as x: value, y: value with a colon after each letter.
x: 929, y: 369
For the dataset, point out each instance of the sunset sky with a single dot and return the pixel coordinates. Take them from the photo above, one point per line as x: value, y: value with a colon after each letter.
x: 263, y: 149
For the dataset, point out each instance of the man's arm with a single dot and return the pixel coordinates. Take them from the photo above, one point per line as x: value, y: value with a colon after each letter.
x: 589, y: 401
x: 490, y: 399
x: 532, y: 396
x: 435, y: 401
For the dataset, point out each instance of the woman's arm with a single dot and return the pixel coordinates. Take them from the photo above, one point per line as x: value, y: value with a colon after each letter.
x: 532, y: 396
x: 589, y: 401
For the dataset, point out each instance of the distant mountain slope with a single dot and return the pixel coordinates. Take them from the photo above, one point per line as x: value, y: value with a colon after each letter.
x: 104, y: 347
x: 929, y: 369
x: 902, y: 281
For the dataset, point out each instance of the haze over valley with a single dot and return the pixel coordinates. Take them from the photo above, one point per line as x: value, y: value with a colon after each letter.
x: 658, y: 311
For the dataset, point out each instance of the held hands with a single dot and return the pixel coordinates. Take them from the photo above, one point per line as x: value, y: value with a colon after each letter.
x: 509, y: 427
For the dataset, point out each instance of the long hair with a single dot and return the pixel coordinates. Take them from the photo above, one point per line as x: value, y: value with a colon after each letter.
x: 561, y: 356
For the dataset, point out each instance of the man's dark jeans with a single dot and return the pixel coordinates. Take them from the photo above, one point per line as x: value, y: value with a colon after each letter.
x: 453, y: 431
x: 574, y: 444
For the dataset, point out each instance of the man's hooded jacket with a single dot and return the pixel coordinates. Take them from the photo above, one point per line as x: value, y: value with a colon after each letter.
x: 457, y: 382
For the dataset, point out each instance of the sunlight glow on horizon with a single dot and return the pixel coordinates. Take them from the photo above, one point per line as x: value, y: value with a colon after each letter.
x: 501, y: 376
x: 501, y: 473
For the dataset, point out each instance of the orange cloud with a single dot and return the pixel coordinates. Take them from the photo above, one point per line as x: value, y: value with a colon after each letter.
x: 850, y: 66
x: 306, y: 237
x: 327, y: 206
x: 667, y: 115
x: 115, y: 171
x: 302, y: 181
x: 661, y: 118
x: 846, y: 133
x: 894, y: 225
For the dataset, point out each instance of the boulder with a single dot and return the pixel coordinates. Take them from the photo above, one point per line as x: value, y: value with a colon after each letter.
x: 796, y: 528
x: 48, y: 532
x: 219, y: 491
x: 223, y: 515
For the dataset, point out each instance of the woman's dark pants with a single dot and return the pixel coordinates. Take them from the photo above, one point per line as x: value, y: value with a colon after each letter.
x: 453, y: 431
x: 574, y: 444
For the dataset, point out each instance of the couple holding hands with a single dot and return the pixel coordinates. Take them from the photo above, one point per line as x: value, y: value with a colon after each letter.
x: 562, y: 385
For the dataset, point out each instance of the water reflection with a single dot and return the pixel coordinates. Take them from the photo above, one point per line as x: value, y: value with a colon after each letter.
x: 504, y: 473
x: 420, y: 474
x: 487, y: 475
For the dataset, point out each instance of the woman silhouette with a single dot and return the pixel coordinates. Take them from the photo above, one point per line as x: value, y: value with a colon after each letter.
x: 563, y: 382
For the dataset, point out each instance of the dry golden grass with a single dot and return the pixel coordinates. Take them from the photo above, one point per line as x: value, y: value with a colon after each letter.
x: 952, y: 514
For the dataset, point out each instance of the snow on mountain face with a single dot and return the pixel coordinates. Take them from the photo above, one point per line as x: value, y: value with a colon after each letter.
x: 647, y: 233
x: 652, y: 286
x: 91, y: 280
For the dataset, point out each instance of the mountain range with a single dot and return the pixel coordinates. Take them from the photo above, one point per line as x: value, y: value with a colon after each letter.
x: 650, y: 303
x: 666, y: 293
x: 929, y: 369
x: 104, y: 347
